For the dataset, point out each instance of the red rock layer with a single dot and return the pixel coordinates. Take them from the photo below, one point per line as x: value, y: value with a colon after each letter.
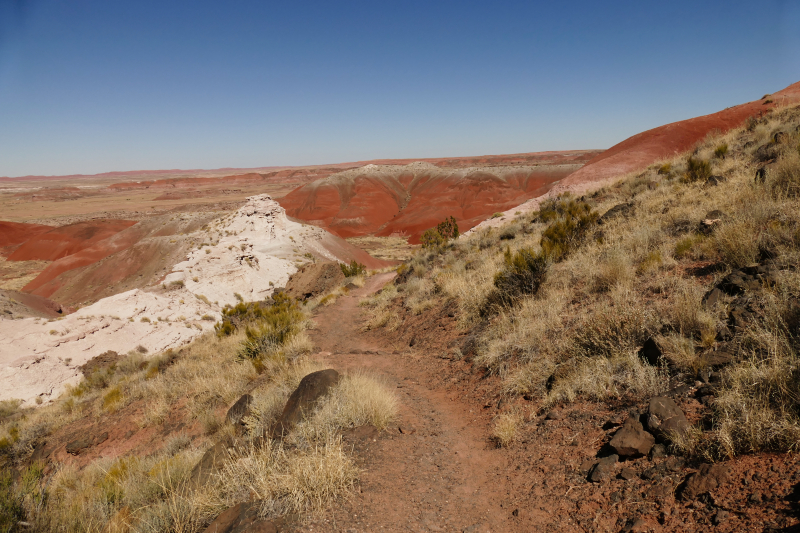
x: 67, y: 240
x: 646, y: 148
x: 12, y: 233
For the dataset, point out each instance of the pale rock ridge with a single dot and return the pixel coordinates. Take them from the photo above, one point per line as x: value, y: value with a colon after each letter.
x: 258, y: 249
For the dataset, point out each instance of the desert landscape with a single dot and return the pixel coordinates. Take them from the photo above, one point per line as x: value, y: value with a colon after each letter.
x: 607, y: 341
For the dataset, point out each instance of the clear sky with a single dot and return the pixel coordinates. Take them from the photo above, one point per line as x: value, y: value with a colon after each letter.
x: 90, y: 86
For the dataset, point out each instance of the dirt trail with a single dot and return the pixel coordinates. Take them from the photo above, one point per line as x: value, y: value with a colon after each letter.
x: 440, y: 473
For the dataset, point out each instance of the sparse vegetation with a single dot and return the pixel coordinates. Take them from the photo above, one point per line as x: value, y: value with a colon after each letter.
x: 445, y: 231
x: 579, y: 300
x: 353, y: 269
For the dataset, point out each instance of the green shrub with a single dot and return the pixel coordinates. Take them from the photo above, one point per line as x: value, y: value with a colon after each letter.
x: 444, y: 231
x: 523, y: 273
x: 353, y: 269
x: 276, y: 326
x: 721, y: 151
x: 243, y: 313
x: 569, y: 220
x: 696, y: 170
x: 665, y: 169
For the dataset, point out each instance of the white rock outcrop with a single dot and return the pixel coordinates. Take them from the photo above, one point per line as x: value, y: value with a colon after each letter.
x: 248, y: 253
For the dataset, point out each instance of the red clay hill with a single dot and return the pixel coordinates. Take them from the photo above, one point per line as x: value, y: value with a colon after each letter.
x: 407, y: 199
x: 646, y: 148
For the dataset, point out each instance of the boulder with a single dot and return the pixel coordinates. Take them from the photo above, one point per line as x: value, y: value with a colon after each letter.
x: 314, y: 279
x: 665, y: 418
x: 713, y: 181
x: 712, y: 297
x: 242, y: 518
x: 631, y: 440
x: 77, y: 446
x: 311, y: 389
x: 708, y: 478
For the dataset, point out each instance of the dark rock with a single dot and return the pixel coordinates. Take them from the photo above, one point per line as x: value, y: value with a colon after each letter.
x: 311, y: 389
x: 706, y: 390
x: 661, y: 491
x: 741, y: 314
x: 755, y: 497
x: 665, y: 418
x: 719, y: 517
x: 627, y: 474
x: 715, y: 214
x: 779, y: 137
x: 242, y: 518
x: 717, y: 358
x: 767, y: 153
x: 674, y: 464
x: 240, y: 409
x: 631, y: 440
x: 555, y: 414
x: 586, y: 466
x: 713, y: 181
x: 210, y: 463
x: 314, y: 279
x: 603, y: 469
x: 83, y: 443
x: 680, y: 390
x: 625, y: 210
x: 707, y: 226
x: 104, y: 361
x: 651, y: 352
x: 712, y: 297
x: 708, y: 478
x: 658, y: 451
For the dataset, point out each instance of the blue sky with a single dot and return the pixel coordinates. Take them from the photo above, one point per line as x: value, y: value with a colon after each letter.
x: 90, y: 86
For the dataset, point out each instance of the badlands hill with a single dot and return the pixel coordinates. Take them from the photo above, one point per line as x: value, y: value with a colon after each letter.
x: 385, y: 199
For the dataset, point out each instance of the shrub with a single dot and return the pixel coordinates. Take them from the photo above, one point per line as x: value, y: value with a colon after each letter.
x: 721, y: 151
x: 243, y: 313
x: 11, y: 511
x: 665, y: 169
x: 277, y: 325
x: 353, y: 269
x: 435, y: 237
x: 696, y: 170
x: 569, y: 220
x: 523, y: 273
x: 505, y: 428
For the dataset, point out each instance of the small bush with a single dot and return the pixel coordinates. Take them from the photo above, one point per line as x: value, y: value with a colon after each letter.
x: 445, y: 231
x: 569, y: 220
x: 523, y: 273
x: 497, y: 215
x: 353, y: 269
x: 721, y: 151
x: 505, y: 428
x: 665, y: 169
x: 696, y: 170
x: 277, y: 325
x: 11, y: 510
x: 145, y: 319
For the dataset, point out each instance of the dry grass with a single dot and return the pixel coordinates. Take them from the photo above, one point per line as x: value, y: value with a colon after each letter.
x: 506, y: 427
x: 633, y: 279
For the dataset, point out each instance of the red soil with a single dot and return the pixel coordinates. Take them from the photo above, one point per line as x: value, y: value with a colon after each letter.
x: 408, y: 200
x: 67, y: 240
x: 12, y: 233
x: 645, y: 148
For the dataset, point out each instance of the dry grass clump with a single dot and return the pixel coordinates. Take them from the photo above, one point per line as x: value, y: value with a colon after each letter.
x: 506, y: 427
x: 380, y: 312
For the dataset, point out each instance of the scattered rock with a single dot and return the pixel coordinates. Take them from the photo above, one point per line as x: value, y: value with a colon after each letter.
x: 665, y: 418
x: 240, y: 409
x: 762, y: 173
x: 708, y: 225
x: 708, y: 478
x: 755, y: 497
x: 304, y: 398
x: 242, y: 518
x: 103, y: 361
x: 603, y: 469
x: 746, y: 279
x: 83, y: 443
x: 631, y: 440
x: 351, y: 286
x: 767, y: 152
x: 627, y: 474
x: 712, y: 297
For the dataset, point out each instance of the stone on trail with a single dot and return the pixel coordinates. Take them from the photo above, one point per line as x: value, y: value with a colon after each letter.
x: 305, y: 397
x: 631, y: 440
x: 604, y: 469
